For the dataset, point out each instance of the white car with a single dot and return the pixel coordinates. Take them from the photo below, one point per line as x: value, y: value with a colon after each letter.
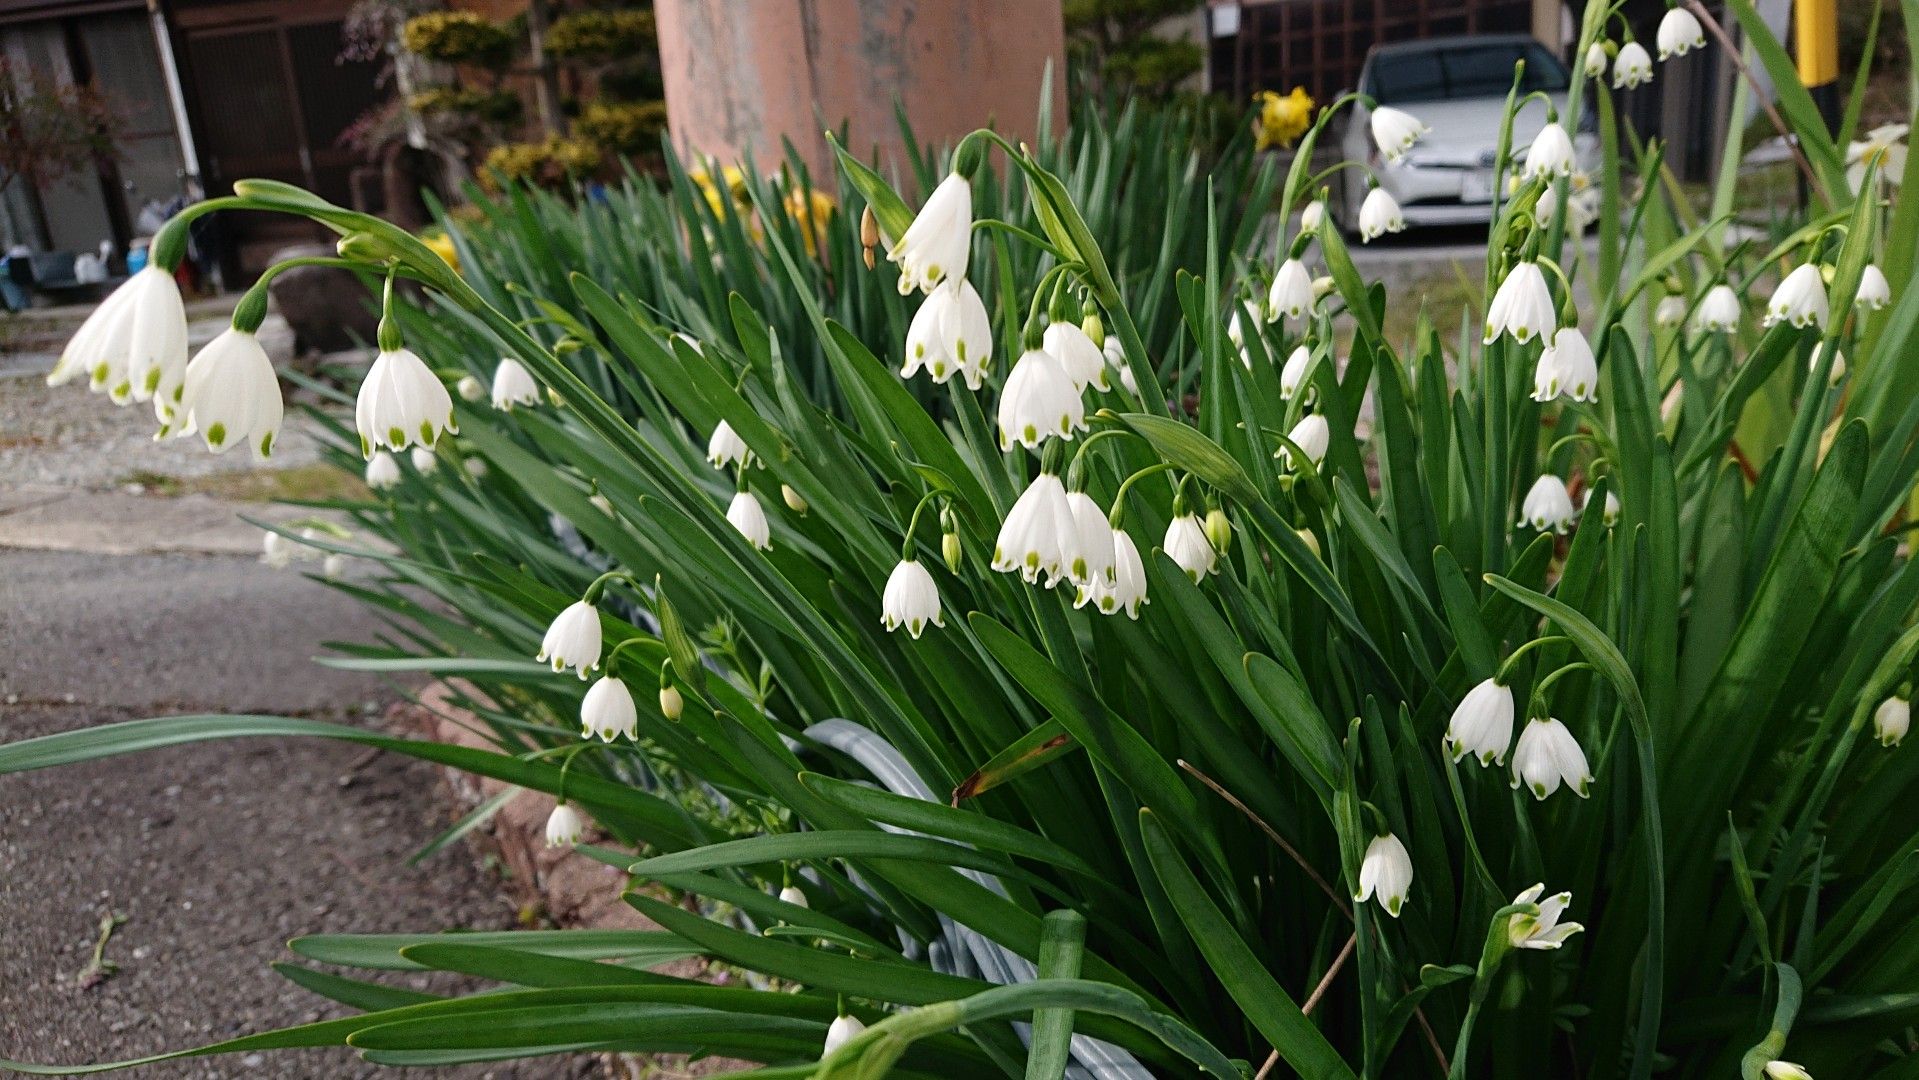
x: 1458, y: 87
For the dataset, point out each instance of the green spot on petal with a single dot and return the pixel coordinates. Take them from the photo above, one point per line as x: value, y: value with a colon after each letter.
x: 216, y: 435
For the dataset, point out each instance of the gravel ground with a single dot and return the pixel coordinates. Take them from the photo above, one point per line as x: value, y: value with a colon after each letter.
x: 216, y: 852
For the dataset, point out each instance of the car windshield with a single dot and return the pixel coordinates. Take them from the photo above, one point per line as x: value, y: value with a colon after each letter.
x: 1456, y: 72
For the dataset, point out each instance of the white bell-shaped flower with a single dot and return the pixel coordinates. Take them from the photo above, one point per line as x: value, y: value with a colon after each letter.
x: 134, y: 345
x: 841, y: 1031
x: 1632, y: 68
x: 401, y: 403
x: 1875, y: 291
x: 1311, y: 217
x: 1482, y: 724
x: 1670, y: 311
x: 382, y: 471
x: 277, y: 551
x: 1293, y: 373
x: 573, y: 639
x: 1778, y: 1069
x: 1718, y: 312
x: 232, y: 396
x: 725, y: 447
x: 1608, y: 512
x: 564, y: 826
x: 1038, y: 402
x: 1123, y: 590
x: 470, y: 388
x: 1089, y: 552
x: 1543, y: 931
x: 1523, y: 306
x: 749, y: 517
x: 1115, y: 354
x: 1033, y: 538
x: 1679, y: 33
x: 1551, y: 154
x: 1800, y: 299
x: 1596, y: 60
x: 1838, y: 372
x: 793, y: 894
x: 608, y: 711
x: 513, y: 385
x: 1186, y: 544
x: 1396, y: 131
x: 938, y: 243
x: 424, y: 459
x: 1891, y: 720
x: 1567, y: 367
x: 1385, y: 872
x: 1313, y: 435
x: 1379, y: 215
x: 911, y: 599
x: 1082, y: 360
x: 950, y: 334
x: 1237, y: 335
x: 1291, y: 295
x: 1548, y: 755
x: 1548, y: 507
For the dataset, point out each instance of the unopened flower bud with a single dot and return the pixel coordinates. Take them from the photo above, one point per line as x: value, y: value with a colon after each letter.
x: 950, y: 551
x: 794, y: 501
x: 869, y: 235
x: 671, y: 703
x: 1219, y: 531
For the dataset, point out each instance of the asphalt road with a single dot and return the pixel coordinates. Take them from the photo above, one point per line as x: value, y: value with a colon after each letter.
x: 216, y: 853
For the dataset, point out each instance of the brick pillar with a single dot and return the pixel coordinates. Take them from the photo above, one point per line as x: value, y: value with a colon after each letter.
x: 743, y: 76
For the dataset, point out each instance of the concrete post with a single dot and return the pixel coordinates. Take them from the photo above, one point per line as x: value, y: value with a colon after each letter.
x: 743, y: 76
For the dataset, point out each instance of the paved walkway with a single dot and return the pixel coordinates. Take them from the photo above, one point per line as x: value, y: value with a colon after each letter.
x: 117, y: 603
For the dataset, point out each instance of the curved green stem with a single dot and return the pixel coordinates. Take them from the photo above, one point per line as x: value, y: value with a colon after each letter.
x: 913, y: 524
x: 1505, y: 669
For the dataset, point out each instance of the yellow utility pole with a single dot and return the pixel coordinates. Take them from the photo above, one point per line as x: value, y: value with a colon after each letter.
x: 1815, y: 46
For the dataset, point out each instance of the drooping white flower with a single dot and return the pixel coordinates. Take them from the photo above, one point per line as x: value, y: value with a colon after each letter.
x: 1294, y: 372
x: 1875, y: 291
x: 1609, y: 510
x: 1312, y: 435
x: 382, y: 471
x: 1884, y: 147
x: 513, y: 385
x: 1548, y: 754
x: 231, y: 395
x: 278, y: 552
x: 475, y: 467
x: 842, y: 1031
x: 573, y: 639
x: 749, y: 517
x: 1890, y: 721
x: 1386, y: 872
x: 911, y: 599
x: 1719, y: 312
x: 1082, y: 360
x: 1777, y: 1069
x: 1292, y: 293
x: 938, y: 243
x: 1311, y: 217
x: 1800, y: 299
x: 1395, y: 131
x: 401, y: 403
x: 333, y: 565
x: 1186, y: 544
x: 1551, y: 154
x: 134, y: 345
x: 1088, y: 554
x: 1482, y: 724
x: 470, y: 388
x: 1632, y: 68
x: 1670, y: 311
x: 1125, y: 588
x: 1679, y: 33
x: 793, y: 894
x: 1567, y: 367
x: 1033, y: 538
x: 1596, y: 60
x: 1548, y: 506
x: 1038, y: 402
x: 608, y: 711
x: 1237, y: 335
x: 1838, y: 372
x: 1523, y: 306
x: 564, y: 826
x: 950, y: 334
x: 1543, y: 931
x: 725, y: 447
x: 1115, y: 354
x: 424, y: 459
x: 1379, y: 215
